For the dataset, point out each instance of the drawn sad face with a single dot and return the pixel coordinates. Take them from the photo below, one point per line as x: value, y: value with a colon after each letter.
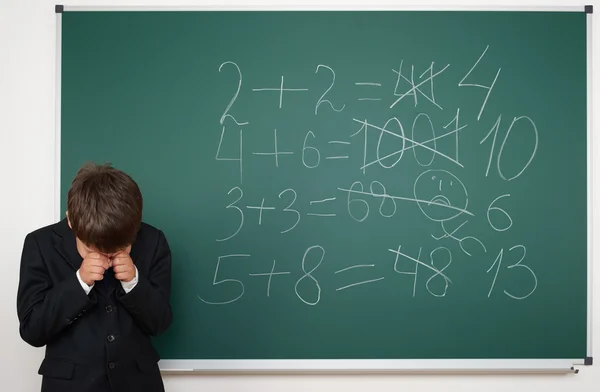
x: 441, y: 195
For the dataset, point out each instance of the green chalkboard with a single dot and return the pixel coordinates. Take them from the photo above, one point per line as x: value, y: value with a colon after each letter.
x: 348, y: 185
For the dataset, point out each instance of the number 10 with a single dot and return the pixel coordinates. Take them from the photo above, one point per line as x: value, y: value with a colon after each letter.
x: 494, y: 130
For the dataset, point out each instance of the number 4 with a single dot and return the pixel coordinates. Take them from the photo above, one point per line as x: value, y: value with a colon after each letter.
x: 489, y: 88
x: 230, y: 159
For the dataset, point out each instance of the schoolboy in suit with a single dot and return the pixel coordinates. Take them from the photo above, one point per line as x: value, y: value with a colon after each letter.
x: 95, y: 287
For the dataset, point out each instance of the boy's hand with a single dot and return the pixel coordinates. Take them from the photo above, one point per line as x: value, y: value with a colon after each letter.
x: 93, y: 267
x: 123, y: 267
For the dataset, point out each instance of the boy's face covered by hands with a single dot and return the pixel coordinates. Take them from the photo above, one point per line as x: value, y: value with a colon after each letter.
x: 95, y: 263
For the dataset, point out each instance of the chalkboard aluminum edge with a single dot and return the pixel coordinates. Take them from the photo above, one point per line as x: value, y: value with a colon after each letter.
x: 371, y: 7
x: 373, y: 366
x: 590, y: 215
x: 318, y: 366
x: 57, y: 115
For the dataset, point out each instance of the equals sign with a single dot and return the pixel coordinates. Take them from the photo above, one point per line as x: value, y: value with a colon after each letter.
x: 373, y: 84
x: 321, y: 202
x: 338, y: 156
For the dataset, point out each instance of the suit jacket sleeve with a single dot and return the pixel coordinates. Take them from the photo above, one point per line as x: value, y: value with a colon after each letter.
x: 46, y: 308
x: 149, y: 301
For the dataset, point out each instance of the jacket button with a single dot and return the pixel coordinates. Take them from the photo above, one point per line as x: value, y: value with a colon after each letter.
x: 112, y: 365
x: 111, y: 338
x: 108, y: 308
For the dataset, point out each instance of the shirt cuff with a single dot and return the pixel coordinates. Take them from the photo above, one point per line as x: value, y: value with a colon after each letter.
x: 128, y: 286
x: 84, y: 285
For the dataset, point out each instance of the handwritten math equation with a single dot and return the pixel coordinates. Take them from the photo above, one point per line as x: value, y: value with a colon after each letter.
x: 439, y: 194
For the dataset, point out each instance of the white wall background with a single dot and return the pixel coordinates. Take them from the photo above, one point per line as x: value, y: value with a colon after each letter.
x: 27, y: 81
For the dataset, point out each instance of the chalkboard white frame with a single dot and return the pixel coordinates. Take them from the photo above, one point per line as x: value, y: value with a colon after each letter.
x: 367, y: 365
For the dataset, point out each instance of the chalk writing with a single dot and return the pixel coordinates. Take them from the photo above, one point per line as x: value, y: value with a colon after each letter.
x: 235, y: 282
x: 439, y: 274
x: 316, y: 154
x: 340, y: 178
x: 308, y: 275
x: 234, y: 206
x: 431, y: 129
x: 416, y: 87
x: 235, y: 96
x: 320, y: 202
x: 270, y: 275
x: 321, y: 99
x: 276, y: 153
x: 371, y: 84
x: 260, y: 209
x: 495, y: 129
x: 439, y: 206
x: 518, y: 264
x: 488, y: 88
x: 289, y: 209
x: 455, y: 121
x: 494, y: 208
x: 281, y: 89
x: 436, y: 272
x: 239, y: 158
x: 461, y: 241
x: 227, y: 115
x: 416, y: 266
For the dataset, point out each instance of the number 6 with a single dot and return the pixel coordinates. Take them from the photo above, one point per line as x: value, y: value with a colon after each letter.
x: 490, y: 208
x: 304, y: 148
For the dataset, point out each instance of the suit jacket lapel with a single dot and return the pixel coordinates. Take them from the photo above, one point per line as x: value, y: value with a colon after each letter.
x: 135, y: 250
x: 66, y: 245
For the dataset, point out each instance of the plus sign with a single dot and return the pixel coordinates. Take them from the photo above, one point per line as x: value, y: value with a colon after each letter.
x: 270, y: 275
x: 281, y: 90
x: 260, y: 208
x: 276, y: 153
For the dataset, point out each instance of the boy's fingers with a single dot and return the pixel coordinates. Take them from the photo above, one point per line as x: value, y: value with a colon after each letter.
x: 97, y: 270
x: 121, y: 268
x: 122, y: 276
x: 121, y: 261
x: 100, y: 263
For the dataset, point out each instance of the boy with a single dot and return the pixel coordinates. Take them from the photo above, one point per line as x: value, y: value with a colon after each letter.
x: 94, y: 287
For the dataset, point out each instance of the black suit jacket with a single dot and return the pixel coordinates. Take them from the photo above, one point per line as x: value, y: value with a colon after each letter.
x: 98, y: 342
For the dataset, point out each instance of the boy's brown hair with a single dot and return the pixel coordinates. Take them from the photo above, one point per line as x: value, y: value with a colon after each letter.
x: 104, y: 207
